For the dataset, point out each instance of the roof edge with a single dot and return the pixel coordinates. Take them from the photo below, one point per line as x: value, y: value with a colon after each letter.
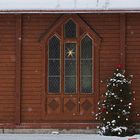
x: 65, y: 11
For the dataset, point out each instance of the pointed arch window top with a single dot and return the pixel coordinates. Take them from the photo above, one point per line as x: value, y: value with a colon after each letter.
x: 70, y: 29
x: 54, y: 47
x: 86, y: 47
x: 54, y: 65
x: 71, y: 25
x: 86, y: 61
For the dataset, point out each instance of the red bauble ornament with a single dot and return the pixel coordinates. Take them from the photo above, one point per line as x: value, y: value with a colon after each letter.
x: 119, y: 66
x: 104, y: 109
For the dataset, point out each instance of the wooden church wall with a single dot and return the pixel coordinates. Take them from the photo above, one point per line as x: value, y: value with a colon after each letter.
x: 133, y: 58
x: 33, y: 27
x: 7, y: 67
x: 19, y: 34
x: 108, y: 27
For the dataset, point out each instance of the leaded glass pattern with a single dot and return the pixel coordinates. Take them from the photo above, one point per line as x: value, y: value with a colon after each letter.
x: 86, y: 65
x: 54, y: 65
x: 70, y: 29
x: 70, y: 68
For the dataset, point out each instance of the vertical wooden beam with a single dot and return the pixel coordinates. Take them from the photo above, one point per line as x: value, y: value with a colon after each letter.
x: 43, y: 104
x: 96, y: 75
x: 123, y: 40
x: 18, y: 68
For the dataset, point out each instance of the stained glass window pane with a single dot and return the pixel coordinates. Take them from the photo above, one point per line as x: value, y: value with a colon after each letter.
x: 54, y: 47
x: 86, y: 84
x: 54, y: 84
x: 86, y: 65
x: 86, y: 47
x: 70, y: 68
x: 70, y: 84
x: 70, y: 29
x: 54, y: 65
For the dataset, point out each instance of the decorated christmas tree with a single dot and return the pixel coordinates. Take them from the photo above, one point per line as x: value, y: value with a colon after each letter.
x: 115, y: 106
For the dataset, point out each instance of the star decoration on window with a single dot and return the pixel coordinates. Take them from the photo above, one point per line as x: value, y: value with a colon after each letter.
x: 70, y: 53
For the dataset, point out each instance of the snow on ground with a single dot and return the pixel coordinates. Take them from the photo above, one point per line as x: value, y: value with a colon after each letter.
x: 63, y: 137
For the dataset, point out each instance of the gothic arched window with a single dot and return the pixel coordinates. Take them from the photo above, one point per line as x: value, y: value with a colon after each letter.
x: 54, y: 65
x: 86, y: 62
x: 71, y: 70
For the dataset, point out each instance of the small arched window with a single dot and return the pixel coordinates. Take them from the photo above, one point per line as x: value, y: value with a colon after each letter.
x: 54, y: 65
x: 70, y: 29
x: 86, y: 62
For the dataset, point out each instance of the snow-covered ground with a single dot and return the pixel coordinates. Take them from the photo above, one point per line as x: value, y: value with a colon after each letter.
x: 63, y: 137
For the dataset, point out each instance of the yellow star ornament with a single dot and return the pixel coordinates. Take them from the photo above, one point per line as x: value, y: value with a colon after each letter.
x: 70, y: 53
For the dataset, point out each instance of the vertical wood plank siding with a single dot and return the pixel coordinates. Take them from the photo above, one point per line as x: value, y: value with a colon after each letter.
x: 133, y: 57
x: 7, y: 67
x: 33, y: 26
x: 18, y: 67
x: 123, y: 39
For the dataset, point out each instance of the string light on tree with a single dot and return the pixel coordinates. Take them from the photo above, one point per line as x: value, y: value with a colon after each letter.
x: 101, y: 81
x: 119, y: 133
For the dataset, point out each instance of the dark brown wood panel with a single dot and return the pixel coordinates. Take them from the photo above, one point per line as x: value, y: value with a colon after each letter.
x: 133, y: 57
x: 34, y: 26
x: 70, y: 105
x: 7, y: 67
x: 86, y: 106
x: 53, y: 105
